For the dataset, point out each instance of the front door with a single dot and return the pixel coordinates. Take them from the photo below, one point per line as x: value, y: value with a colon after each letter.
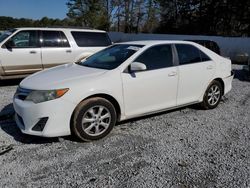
x: 21, y: 54
x: 153, y: 89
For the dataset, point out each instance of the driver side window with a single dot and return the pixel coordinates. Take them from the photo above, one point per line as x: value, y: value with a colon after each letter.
x: 24, y: 39
x: 157, y: 57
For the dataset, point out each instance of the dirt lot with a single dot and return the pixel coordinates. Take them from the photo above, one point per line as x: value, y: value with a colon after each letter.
x: 188, y: 147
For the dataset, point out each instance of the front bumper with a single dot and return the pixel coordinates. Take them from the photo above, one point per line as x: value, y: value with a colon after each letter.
x: 228, y: 82
x: 58, y: 113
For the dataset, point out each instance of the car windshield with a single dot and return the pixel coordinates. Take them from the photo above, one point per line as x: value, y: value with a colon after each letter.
x: 6, y: 34
x: 111, y: 57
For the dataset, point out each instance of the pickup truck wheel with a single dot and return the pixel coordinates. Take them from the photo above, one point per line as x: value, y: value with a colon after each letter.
x: 212, y: 95
x: 93, y: 119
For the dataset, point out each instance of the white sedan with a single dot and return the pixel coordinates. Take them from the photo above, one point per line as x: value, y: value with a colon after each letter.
x: 123, y: 81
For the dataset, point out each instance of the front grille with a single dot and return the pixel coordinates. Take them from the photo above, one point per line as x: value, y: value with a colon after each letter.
x: 22, y: 93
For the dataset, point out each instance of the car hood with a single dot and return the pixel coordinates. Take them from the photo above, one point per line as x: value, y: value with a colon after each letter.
x: 59, y: 76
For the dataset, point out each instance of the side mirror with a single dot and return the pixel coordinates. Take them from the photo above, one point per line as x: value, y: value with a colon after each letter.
x: 137, y: 66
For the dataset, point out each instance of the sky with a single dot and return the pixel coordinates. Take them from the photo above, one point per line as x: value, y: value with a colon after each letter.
x: 33, y: 9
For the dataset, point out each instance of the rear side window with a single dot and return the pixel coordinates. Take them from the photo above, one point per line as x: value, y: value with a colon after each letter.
x: 91, y: 39
x: 188, y: 54
x: 204, y: 57
x: 54, y: 39
x: 214, y: 47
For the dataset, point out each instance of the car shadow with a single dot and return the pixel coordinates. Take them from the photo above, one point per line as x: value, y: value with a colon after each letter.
x: 11, y: 82
x: 241, y: 74
x: 8, y: 125
x: 7, y: 112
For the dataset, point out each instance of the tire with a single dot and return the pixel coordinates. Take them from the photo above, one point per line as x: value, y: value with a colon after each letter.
x: 93, y: 119
x: 212, y: 96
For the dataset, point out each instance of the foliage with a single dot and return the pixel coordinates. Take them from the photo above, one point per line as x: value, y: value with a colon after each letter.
x: 89, y: 13
x: 209, y: 17
x: 9, y: 22
x: 205, y: 17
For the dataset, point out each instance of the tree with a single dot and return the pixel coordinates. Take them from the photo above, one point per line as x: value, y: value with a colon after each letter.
x: 90, y: 13
x: 152, y: 18
x: 203, y: 17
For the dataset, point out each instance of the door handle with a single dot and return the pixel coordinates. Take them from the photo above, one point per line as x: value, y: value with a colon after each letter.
x: 172, y: 74
x: 209, y: 67
x: 32, y: 52
x: 68, y: 51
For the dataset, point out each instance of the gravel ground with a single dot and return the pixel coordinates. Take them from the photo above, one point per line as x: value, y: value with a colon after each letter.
x: 187, y: 147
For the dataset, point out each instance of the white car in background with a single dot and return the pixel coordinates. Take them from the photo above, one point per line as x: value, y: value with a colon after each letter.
x: 24, y: 51
x: 123, y: 81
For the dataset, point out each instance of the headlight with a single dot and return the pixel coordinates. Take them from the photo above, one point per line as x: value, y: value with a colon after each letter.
x: 42, y: 96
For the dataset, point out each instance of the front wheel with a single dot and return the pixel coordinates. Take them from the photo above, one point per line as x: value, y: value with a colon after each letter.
x: 212, y: 95
x: 93, y: 119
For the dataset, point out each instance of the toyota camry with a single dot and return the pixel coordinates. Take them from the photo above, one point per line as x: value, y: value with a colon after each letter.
x: 121, y: 82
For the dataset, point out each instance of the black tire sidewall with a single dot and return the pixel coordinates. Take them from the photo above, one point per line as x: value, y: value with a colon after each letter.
x: 81, y: 110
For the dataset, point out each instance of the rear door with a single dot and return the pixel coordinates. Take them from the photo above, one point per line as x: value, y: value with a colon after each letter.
x: 21, y: 54
x: 196, y: 70
x: 56, y: 49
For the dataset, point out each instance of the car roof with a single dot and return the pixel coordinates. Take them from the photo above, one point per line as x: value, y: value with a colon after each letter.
x: 61, y: 29
x: 154, y: 42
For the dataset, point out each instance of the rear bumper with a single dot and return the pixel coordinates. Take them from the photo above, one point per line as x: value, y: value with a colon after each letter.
x: 228, y: 83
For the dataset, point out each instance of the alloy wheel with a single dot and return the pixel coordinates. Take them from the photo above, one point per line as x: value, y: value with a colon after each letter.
x: 96, y: 120
x: 213, y: 95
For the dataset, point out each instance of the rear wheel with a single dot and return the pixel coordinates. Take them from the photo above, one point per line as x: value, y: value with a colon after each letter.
x: 212, y: 95
x: 93, y: 119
